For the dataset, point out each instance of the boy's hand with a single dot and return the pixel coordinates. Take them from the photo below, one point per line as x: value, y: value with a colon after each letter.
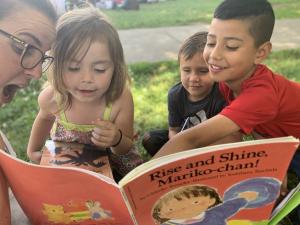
x: 283, y: 188
x: 106, y: 134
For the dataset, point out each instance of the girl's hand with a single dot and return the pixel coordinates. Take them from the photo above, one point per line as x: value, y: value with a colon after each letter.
x: 106, y: 134
x: 35, y: 157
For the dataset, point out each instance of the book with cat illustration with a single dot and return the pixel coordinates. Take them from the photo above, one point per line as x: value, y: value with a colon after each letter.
x: 234, y: 184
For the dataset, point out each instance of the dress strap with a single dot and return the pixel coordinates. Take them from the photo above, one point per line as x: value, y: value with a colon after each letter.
x: 62, y: 116
x: 71, y: 126
x: 107, y: 112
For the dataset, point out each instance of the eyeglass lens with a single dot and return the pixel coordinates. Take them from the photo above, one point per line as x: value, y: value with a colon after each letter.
x: 32, y: 57
x: 46, y: 63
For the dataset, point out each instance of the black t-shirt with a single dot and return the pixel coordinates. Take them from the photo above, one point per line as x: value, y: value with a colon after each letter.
x: 181, y: 109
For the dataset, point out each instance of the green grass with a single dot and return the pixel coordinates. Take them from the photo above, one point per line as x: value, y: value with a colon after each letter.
x: 286, y: 8
x: 286, y: 62
x: 166, y: 13
x: 183, y: 12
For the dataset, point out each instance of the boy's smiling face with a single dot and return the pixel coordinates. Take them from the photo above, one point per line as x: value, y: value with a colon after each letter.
x: 230, y: 51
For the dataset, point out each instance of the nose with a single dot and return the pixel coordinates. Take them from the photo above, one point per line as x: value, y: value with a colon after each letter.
x: 194, y: 76
x: 35, y: 73
x: 86, y: 76
x: 216, y: 52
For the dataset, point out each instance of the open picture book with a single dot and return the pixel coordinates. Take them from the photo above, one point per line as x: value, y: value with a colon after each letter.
x: 234, y: 184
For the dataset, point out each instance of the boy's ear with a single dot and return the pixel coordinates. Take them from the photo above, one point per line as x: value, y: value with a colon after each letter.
x: 212, y: 201
x: 262, y: 52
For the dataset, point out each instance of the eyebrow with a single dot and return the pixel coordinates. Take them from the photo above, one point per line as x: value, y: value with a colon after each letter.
x: 34, y: 38
x: 202, y: 68
x: 94, y: 63
x: 101, y: 62
x: 233, y: 38
x: 74, y: 61
x: 198, y: 67
x: 227, y: 38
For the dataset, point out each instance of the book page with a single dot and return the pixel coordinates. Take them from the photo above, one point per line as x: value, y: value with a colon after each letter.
x: 291, y: 201
x: 76, y: 155
x: 243, y: 181
x: 64, y: 195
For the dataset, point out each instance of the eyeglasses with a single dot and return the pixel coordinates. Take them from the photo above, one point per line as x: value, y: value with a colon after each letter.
x: 31, y: 56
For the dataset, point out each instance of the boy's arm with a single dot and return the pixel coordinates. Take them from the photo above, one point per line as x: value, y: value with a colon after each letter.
x: 41, y: 126
x: 173, y: 131
x: 174, y: 111
x: 231, y: 138
x: 201, y: 135
x: 5, y: 216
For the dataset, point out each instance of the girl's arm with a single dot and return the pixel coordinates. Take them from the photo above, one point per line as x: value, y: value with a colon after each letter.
x: 203, y: 134
x: 117, y: 134
x: 5, y: 216
x: 42, y: 125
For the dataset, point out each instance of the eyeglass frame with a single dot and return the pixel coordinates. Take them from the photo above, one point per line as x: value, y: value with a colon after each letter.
x: 27, y: 46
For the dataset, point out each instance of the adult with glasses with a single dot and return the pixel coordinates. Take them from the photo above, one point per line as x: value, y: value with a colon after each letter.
x: 27, y: 29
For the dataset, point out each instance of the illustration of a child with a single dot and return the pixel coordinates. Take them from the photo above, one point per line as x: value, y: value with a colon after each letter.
x: 193, y: 100
x: 87, y: 100
x: 196, y: 205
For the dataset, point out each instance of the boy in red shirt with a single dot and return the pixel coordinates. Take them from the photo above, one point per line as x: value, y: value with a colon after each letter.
x: 259, y: 101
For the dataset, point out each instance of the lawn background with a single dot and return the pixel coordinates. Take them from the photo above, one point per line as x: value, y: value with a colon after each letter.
x: 182, y: 12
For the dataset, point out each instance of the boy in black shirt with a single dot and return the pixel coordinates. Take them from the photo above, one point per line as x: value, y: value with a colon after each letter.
x: 191, y: 101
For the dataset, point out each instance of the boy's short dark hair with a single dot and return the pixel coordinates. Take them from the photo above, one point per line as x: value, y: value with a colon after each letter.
x: 192, y: 45
x: 259, y: 13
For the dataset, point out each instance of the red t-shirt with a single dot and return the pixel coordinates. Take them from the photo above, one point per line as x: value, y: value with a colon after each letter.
x: 268, y: 104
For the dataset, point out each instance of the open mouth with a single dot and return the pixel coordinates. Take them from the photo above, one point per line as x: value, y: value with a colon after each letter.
x: 9, y: 92
x: 196, y: 86
x: 86, y: 91
x: 214, y: 68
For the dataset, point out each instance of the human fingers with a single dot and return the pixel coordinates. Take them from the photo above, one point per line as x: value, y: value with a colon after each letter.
x: 101, y: 141
x: 104, y: 124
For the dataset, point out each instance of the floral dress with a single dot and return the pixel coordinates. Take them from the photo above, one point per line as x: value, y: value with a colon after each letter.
x: 65, y: 131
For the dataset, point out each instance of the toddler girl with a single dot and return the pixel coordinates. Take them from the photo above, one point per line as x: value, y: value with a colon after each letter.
x: 88, y: 100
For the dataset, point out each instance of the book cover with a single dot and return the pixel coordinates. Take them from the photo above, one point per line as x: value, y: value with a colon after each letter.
x: 76, y: 155
x: 64, y: 195
x: 234, y: 184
